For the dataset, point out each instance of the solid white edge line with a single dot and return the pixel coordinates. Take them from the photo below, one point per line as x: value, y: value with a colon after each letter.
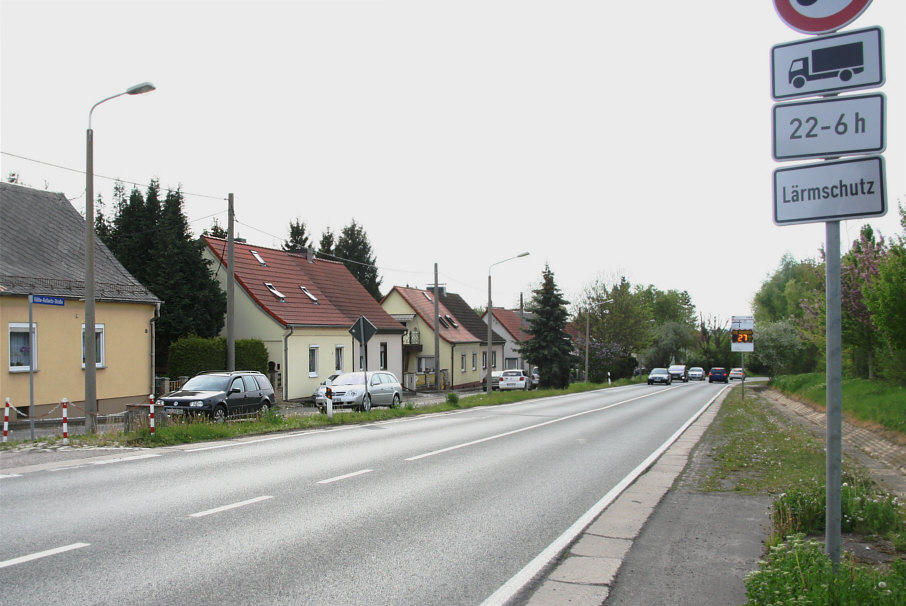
x: 524, y: 576
x: 515, y: 431
x: 227, y: 507
x: 42, y: 554
x: 123, y: 459
x: 346, y: 476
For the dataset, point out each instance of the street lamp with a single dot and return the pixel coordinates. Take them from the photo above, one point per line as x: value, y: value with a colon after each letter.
x: 91, y: 402
x: 488, y: 373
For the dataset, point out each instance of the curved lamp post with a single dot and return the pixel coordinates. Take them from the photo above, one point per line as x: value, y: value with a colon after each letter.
x: 488, y: 375
x: 91, y: 402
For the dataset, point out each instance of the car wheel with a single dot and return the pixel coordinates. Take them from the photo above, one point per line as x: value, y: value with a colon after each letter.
x: 220, y: 414
x: 649, y: 382
x: 396, y: 401
x: 265, y: 407
x: 366, y: 404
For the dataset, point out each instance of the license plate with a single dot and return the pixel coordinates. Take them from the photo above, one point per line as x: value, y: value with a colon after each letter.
x: 173, y: 411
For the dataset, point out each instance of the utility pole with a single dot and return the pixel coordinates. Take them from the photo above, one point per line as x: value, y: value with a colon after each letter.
x: 230, y: 312
x: 436, y: 334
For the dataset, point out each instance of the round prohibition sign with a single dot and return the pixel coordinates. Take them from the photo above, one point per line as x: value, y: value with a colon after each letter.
x: 819, y: 16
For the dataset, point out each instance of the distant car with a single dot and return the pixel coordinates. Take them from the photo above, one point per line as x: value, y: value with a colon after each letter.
x: 718, y: 374
x: 737, y: 373
x: 536, y: 378
x: 221, y: 394
x: 349, y: 390
x: 514, y: 379
x: 495, y: 380
x: 678, y: 372
x: 696, y: 373
x: 659, y: 375
x: 319, y: 395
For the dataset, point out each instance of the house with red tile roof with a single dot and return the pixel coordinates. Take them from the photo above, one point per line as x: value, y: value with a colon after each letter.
x: 462, y: 353
x: 302, y: 308
x: 513, y: 325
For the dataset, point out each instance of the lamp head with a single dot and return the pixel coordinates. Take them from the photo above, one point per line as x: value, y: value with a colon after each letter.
x: 140, y: 89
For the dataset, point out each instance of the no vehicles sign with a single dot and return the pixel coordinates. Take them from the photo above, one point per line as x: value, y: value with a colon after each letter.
x: 819, y: 16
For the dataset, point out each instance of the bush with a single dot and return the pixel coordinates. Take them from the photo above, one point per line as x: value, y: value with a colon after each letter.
x: 453, y: 399
x: 190, y: 355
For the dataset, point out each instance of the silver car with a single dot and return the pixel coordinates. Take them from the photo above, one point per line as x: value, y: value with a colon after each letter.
x: 362, y: 390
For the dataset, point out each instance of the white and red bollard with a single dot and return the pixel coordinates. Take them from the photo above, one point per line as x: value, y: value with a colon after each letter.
x: 65, y: 404
x: 151, y: 413
x: 6, y: 420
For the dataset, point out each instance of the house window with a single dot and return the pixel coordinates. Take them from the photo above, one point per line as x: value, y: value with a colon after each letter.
x: 275, y: 292
x: 510, y: 363
x: 493, y: 359
x: 338, y: 358
x: 462, y: 362
x: 383, y: 356
x: 312, y: 360
x: 443, y: 322
x: 99, y: 354
x: 258, y: 258
x: 426, y: 364
x: 23, y: 351
x: 474, y: 361
x: 484, y: 360
x: 427, y: 296
x: 451, y: 321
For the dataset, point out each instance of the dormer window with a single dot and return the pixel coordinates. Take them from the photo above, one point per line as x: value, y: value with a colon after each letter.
x: 427, y: 296
x: 309, y: 295
x: 451, y: 321
x: 275, y: 292
x: 258, y: 258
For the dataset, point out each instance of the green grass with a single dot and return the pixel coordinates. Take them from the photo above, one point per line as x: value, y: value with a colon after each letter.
x: 875, y: 401
x: 756, y: 450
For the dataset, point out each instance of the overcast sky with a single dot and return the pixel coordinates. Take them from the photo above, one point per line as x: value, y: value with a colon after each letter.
x: 605, y: 138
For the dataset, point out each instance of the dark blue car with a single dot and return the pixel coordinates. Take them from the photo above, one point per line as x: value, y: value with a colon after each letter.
x: 718, y: 374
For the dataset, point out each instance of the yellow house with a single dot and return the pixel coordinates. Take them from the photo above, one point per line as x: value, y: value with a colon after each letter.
x: 42, y: 311
x: 462, y: 353
x: 302, y: 308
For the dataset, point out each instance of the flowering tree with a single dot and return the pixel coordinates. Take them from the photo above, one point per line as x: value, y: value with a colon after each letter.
x: 858, y: 274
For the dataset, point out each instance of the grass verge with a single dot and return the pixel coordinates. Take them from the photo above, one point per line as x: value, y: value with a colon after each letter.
x: 756, y: 450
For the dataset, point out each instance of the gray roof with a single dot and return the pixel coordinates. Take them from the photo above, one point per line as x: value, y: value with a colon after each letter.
x: 42, y: 250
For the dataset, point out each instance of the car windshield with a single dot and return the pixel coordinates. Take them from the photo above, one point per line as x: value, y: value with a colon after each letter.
x: 207, y: 383
x: 351, y: 378
x: 659, y: 371
x: 513, y: 373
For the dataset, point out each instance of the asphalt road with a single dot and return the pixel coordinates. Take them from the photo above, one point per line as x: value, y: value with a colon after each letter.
x: 437, y: 509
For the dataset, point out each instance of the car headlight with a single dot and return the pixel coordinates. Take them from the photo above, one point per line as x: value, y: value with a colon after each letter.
x: 196, y: 404
x: 352, y: 393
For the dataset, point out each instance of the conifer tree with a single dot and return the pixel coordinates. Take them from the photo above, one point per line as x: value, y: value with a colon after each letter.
x: 354, y: 250
x: 298, y: 239
x: 550, y: 347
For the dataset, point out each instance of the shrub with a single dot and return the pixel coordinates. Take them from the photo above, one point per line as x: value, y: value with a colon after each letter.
x: 453, y: 399
x: 190, y: 355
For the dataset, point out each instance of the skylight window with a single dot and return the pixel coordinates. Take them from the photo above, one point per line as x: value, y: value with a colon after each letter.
x: 451, y: 321
x: 444, y: 322
x: 309, y: 295
x: 427, y: 296
x: 258, y: 258
x: 275, y: 292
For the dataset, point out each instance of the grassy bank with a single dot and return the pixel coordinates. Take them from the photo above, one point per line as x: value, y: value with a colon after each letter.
x: 870, y: 402
x: 756, y: 450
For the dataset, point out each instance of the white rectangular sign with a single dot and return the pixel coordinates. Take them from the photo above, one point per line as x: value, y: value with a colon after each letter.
x: 742, y: 335
x: 830, y: 191
x: 830, y: 127
x: 837, y: 62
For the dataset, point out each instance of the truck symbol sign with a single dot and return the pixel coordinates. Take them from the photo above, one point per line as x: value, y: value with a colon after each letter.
x: 832, y: 62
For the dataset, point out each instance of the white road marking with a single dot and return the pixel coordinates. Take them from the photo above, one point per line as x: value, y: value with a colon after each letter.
x: 530, y: 427
x: 42, y: 554
x: 4, y: 476
x: 123, y: 459
x: 201, y: 514
x: 344, y: 477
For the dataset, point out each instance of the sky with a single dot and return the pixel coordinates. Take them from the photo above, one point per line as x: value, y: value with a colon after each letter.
x: 606, y: 139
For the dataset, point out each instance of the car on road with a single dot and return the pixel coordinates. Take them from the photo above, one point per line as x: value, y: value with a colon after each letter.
x: 514, y: 379
x: 737, y: 373
x: 221, y: 394
x: 362, y: 390
x: 696, y: 373
x: 659, y: 375
x: 536, y: 377
x: 678, y: 372
x: 718, y: 374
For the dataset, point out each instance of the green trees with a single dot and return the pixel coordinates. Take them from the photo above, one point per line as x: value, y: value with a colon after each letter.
x: 354, y: 250
x: 550, y: 347
x: 152, y: 241
x: 298, y: 239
